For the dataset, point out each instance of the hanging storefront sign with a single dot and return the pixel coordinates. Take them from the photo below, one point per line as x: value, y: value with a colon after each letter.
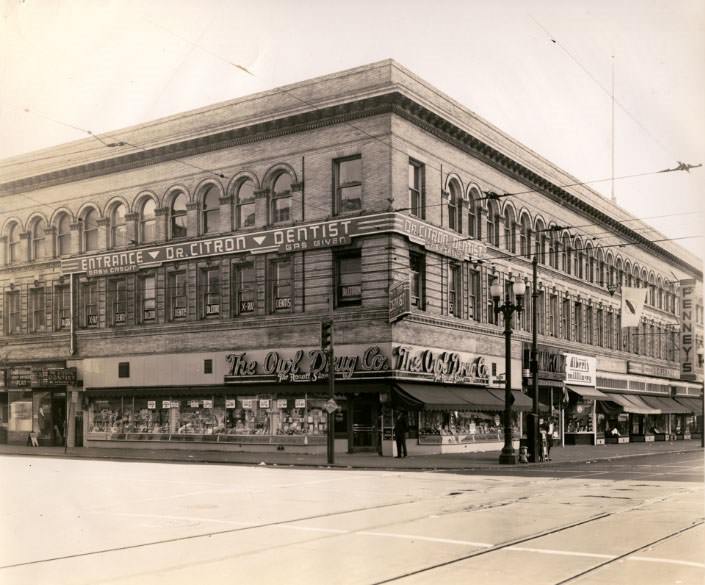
x: 447, y: 367
x: 302, y: 365
x: 580, y: 370
x: 399, y: 300
x: 550, y: 362
x: 691, y: 334
x: 310, y: 236
x: 32, y: 377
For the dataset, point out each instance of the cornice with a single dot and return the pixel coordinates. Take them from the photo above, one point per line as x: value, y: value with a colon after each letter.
x: 393, y: 102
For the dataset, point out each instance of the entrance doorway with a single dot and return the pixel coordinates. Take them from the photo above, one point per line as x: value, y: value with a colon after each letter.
x: 58, y: 412
x: 363, y: 435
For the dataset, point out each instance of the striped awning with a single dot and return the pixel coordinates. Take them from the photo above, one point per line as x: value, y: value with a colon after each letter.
x: 665, y: 404
x: 631, y: 404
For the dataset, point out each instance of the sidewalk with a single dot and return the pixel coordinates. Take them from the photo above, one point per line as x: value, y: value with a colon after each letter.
x: 469, y: 461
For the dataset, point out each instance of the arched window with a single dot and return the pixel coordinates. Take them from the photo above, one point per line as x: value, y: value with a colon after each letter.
x: 13, y: 243
x: 90, y: 230
x: 493, y: 223
x: 600, y: 268
x: 540, y: 241
x: 659, y: 293
x: 627, y: 274
x: 211, y: 210
x: 590, y: 263
x: 525, y: 236
x: 38, y: 247
x: 281, y: 198
x: 245, y: 205
x: 554, y: 247
x: 566, y: 254
x: 63, y: 235
x: 474, y: 215
x: 610, y: 270
x: 118, y: 226
x: 177, y: 216
x: 510, y: 231
x: 454, y: 207
x: 148, y: 221
x: 579, y: 258
x: 620, y: 272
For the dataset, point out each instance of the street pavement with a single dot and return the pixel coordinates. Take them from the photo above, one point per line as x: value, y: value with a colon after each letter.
x: 616, y: 521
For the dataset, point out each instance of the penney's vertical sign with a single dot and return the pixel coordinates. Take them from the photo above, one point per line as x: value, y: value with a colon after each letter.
x: 691, y: 330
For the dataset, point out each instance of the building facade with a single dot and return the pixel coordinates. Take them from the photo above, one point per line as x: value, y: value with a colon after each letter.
x: 168, y: 284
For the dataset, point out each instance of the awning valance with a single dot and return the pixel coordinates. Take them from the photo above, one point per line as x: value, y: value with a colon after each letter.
x: 665, y: 404
x: 447, y: 397
x: 631, y: 404
x: 587, y: 392
x: 694, y: 405
x: 521, y: 401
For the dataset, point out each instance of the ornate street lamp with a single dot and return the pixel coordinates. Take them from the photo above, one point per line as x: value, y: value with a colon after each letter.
x: 507, y: 308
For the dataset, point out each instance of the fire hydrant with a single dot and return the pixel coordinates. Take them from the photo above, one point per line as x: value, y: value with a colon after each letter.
x: 523, y: 454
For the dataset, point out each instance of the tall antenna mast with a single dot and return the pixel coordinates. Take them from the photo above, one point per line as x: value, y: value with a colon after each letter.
x: 613, y: 197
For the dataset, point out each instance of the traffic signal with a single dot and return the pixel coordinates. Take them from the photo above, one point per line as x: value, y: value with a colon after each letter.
x: 326, y: 335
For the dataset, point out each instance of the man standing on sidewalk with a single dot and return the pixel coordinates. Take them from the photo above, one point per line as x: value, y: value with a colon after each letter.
x: 400, y: 429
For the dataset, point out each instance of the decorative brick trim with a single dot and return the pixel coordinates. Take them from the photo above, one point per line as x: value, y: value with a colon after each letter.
x: 261, y: 193
x: 225, y: 200
x: 76, y: 226
x: 161, y: 211
x: 192, y: 206
x: 103, y: 221
x: 132, y: 216
x: 25, y: 235
x: 297, y: 187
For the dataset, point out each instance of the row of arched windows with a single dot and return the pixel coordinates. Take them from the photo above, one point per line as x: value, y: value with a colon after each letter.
x: 553, y: 246
x: 145, y: 210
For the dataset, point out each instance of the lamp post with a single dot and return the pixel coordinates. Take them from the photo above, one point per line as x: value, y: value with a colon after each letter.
x: 533, y: 431
x: 508, y: 455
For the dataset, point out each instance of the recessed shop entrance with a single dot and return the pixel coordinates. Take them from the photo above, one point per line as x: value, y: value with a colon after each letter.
x: 362, y: 426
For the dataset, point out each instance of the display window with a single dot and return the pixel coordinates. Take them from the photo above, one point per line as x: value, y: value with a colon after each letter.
x: 451, y: 427
x: 579, y: 416
x: 657, y: 424
x: 20, y: 412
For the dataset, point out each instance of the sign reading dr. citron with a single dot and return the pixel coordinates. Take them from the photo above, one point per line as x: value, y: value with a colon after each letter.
x: 290, y: 239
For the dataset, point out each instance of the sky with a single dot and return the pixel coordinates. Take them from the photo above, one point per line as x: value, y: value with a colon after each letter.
x: 540, y: 71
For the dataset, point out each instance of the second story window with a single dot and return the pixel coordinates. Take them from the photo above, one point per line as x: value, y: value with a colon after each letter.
x: 474, y: 308
x: 281, y: 198
x: 89, y: 304
x: 211, y: 210
x: 117, y: 301
x: 510, y: 230
x: 540, y: 313
x: 600, y: 330
x: 348, y: 279
x: 13, y: 323
x: 347, y: 177
x: 38, y: 240
x: 416, y: 188
x: 280, y: 279
x: 589, y: 326
x: 565, y: 319
x: 455, y: 221
x: 178, y: 299
x: 118, y: 226
x: 62, y: 303
x: 90, y: 230
x: 210, y: 292
x: 177, y: 216
x: 474, y: 215
x: 493, y: 223
x: 454, y: 291
x: 245, y: 205
x: 553, y: 319
x: 244, y: 289
x: 148, y: 294
x: 63, y: 235
x: 148, y: 222
x: 37, y: 310
x: 578, y: 322
x: 13, y: 242
x: 417, y: 280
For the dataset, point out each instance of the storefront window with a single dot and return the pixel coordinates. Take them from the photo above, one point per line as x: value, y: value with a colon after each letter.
x: 451, y: 427
x: 579, y: 416
x: 20, y: 417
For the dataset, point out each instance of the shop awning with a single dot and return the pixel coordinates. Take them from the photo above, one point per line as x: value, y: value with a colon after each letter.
x: 521, y: 401
x: 665, y: 404
x: 587, y: 392
x: 694, y: 405
x: 446, y: 397
x: 631, y: 404
x: 609, y: 407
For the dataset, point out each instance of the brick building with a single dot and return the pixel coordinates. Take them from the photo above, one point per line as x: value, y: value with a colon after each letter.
x: 168, y: 284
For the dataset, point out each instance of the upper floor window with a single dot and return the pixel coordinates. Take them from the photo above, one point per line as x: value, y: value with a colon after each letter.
x: 211, y: 210
x: 417, y: 279
x: 280, y: 285
x: 455, y: 221
x: 600, y: 341
x: 416, y: 188
x: 244, y: 289
x: 474, y: 215
x: 348, y: 279
x: 148, y: 298
x: 38, y: 243
x: 510, y: 232
x: 37, y: 310
x: 540, y: 313
x: 245, y: 205
x: 117, y: 301
x: 578, y: 255
x: 63, y: 235
x: 589, y: 331
x: 90, y: 230
x: 540, y: 242
x: 525, y: 237
x: 493, y: 223
x: 13, y: 323
x: 62, y: 303
x: 89, y: 304
x: 148, y: 222
x: 177, y: 216
x: 281, y: 198
x: 13, y: 242
x: 210, y: 292
x: 474, y: 300
x: 118, y: 226
x: 178, y: 299
x: 454, y: 295
x: 578, y: 322
x: 566, y: 255
x: 565, y: 319
x: 347, y: 177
